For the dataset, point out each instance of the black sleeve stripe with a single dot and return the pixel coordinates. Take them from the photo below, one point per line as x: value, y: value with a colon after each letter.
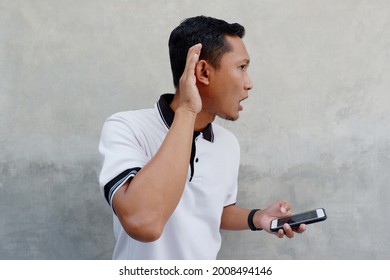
x: 111, y: 186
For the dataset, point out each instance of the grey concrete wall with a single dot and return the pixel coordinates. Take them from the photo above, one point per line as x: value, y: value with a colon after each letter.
x: 315, y: 130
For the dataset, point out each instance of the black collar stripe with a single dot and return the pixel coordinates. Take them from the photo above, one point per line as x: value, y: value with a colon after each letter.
x: 162, y: 115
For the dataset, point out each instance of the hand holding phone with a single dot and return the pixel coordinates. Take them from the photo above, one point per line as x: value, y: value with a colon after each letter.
x: 309, y: 217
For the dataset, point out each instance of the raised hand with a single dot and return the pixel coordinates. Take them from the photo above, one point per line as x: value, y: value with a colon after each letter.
x: 189, y: 94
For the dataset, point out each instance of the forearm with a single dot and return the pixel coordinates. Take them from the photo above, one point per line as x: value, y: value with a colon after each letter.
x: 234, y: 218
x: 148, y: 201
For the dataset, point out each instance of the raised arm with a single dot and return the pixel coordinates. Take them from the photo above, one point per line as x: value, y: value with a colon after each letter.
x: 145, y: 203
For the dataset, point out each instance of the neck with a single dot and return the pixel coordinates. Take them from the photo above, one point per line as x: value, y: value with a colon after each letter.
x: 202, y: 119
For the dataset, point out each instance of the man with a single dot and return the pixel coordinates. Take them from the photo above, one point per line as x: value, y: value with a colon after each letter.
x: 170, y: 173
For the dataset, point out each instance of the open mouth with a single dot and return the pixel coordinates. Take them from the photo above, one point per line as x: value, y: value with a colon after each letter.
x: 240, y: 105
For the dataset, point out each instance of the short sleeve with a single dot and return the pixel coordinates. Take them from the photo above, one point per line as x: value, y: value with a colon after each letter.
x: 122, y: 154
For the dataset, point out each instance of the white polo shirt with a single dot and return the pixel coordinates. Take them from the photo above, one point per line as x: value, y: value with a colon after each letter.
x: 129, y: 140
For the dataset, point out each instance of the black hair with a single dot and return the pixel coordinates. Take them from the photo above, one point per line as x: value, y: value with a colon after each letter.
x: 208, y: 31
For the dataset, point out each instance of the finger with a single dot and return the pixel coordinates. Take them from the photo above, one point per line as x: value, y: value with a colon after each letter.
x: 280, y: 233
x: 192, y: 59
x: 288, y: 231
x: 285, y: 207
x: 301, y: 228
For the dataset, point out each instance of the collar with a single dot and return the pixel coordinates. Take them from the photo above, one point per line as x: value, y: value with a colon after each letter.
x: 167, y: 115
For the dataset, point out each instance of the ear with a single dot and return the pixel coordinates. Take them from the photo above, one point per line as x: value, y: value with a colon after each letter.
x: 202, y: 72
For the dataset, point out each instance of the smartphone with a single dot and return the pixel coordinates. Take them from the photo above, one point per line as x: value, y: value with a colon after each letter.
x: 309, y: 217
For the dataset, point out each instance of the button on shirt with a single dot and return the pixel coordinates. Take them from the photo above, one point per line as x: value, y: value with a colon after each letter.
x: 129, y: 140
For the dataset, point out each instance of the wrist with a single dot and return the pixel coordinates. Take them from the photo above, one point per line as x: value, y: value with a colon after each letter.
x: 184, y: 112
x: 251, y: 223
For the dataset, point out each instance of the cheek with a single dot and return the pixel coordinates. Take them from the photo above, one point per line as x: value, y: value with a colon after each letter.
x: 226, y: 88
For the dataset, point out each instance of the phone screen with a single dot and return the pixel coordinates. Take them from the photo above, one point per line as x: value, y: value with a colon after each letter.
x: 297, y: 218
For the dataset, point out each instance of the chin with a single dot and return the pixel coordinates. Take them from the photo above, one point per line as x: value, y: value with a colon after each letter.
x: 231, y: 118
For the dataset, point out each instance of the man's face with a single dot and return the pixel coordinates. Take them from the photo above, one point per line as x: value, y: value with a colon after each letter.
x: 229, y: 83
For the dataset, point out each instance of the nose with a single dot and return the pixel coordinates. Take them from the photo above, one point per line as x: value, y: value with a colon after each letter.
x: 248, y: 83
